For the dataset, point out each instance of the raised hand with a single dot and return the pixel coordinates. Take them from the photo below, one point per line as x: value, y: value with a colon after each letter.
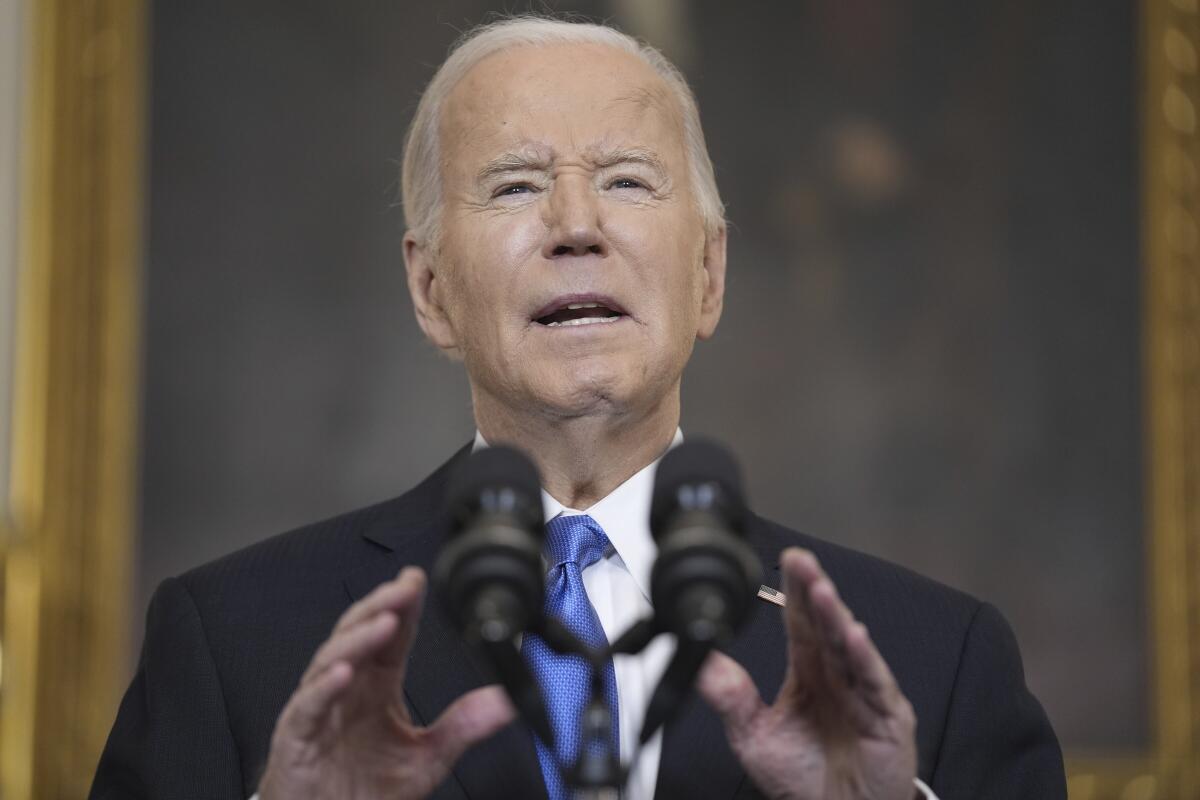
x: 840, y: 728
x: 346, y: 734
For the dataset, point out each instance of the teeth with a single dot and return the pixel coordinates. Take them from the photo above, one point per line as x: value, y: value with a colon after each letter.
x: 573, y: 306
x: 582, y: 321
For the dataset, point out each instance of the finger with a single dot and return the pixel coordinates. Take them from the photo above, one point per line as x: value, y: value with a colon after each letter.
x: 853, y: 664
x: 879, y: 698
x: 818, y: 629
x: 867, y: 662
x: 408, y: 610
x: 470, y: 719
x: 309, y: 708
x: 730, y: 691
x: 390, y: 596
x: 800, y: 572
x: 833, y: 622
x: 352, y: 645
x: 848, y: 649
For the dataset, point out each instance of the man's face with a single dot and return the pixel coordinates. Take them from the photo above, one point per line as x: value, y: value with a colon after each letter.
x: 573, y: 274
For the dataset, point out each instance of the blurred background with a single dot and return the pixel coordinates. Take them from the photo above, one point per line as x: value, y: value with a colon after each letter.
x: 934, y: 333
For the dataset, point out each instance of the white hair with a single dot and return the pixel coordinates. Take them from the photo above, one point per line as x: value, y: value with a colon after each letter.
x: 421, y: 180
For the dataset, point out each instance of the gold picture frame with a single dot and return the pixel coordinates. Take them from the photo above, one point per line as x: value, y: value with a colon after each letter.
x: 68, y: 536
x: 67, y: 549
x: 1170, y: 156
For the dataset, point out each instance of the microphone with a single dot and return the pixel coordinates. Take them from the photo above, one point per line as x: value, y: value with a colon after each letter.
x: 703, y: 580
x: 490, y: 574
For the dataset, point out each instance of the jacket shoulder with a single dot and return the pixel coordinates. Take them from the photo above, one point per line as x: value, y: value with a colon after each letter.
x: 874, y: 585
x: 332, y: 546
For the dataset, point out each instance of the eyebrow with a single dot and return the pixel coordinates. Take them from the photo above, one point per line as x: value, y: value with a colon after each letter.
x: 611, y: 157
x: 535, y: 161
x: 518, y: 161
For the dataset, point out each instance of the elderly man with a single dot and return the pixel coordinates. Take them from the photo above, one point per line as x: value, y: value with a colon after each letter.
x: 567, y: 244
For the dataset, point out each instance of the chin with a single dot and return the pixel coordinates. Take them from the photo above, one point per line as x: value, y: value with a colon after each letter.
x: 606, y: 392
x: 584, y: 392
x: 584, y: 401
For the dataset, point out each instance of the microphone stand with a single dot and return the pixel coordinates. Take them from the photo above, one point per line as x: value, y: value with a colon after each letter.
x: 598, y: 773
x: 671, y: 691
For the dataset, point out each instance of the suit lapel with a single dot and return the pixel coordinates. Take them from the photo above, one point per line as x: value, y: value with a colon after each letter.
x: 696, y: 759
x: 441, y: 668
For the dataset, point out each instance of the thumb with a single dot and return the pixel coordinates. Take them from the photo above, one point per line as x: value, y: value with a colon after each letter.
x: 731, y: 692
x: 468, y: 720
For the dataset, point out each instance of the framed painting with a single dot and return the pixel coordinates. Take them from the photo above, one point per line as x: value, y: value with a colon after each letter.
x: 74, y: 320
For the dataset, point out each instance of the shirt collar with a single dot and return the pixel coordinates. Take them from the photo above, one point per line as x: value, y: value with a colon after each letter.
x: 624, y: 515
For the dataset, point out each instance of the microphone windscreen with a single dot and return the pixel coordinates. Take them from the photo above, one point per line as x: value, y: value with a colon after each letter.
x: 501, y: 476
x: 686, y: 478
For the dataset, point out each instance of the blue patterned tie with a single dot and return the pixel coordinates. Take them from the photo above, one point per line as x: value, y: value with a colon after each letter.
x: 572, y: 544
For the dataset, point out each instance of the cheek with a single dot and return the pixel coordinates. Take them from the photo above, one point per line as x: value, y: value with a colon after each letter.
x: 515, y: 240
x: 485, y: 279
x: 488, y: 262
x: 682, y: 289
x: 668, y: 251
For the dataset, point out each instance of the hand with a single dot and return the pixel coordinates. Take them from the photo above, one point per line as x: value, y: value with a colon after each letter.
x: 345, y: 733
x: 840, y: 727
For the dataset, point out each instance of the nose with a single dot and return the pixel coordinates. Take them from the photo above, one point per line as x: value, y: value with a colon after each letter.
x: 573, y: 219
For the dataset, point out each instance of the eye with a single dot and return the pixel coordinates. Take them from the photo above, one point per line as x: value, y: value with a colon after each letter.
x: 626, y: 183
x: 513, y: 189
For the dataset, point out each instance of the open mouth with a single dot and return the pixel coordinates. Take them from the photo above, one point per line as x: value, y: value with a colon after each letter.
x: 581, y: 313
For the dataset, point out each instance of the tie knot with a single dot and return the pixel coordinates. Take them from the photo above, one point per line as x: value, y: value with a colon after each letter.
x: 577, y: 538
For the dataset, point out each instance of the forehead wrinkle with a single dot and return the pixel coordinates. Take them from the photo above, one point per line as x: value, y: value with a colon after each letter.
x: 641, y: 98
x: 526, y: 156
x: 644, y: 98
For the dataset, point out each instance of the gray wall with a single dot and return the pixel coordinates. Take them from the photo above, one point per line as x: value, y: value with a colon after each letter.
x: 930, y: 350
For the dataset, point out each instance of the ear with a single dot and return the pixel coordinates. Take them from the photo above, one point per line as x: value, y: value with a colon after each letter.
x: 713, y: 298
x: 427, y: 296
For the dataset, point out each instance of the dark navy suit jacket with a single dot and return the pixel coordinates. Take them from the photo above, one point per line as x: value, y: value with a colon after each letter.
x: 226, y: 644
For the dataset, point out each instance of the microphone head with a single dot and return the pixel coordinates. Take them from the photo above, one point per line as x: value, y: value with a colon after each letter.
x: 489, y: 573
x: 703, y: 578
x: 698, y: 475
x: 495, y: 480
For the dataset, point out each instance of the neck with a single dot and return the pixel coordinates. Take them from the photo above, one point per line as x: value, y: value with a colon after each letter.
x: 583, y: 458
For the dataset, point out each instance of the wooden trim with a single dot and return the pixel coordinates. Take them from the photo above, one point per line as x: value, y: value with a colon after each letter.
x: 67, y: 560
x: 1171, y: 158
x: 1171, y: 354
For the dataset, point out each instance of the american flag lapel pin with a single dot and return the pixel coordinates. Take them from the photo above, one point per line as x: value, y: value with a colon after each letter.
x: 772, y: 595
